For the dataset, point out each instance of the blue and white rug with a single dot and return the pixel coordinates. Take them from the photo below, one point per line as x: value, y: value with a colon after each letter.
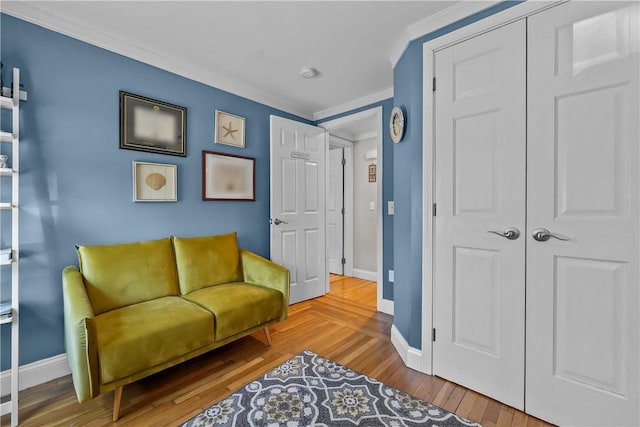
x: 310, y: 390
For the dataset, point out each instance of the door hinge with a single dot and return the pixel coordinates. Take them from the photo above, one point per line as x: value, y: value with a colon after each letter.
x: 342, y: 211
x: 433, y: 335
x: 433, y: 209
x: 343, y: 261
x: 344, y: 162
x: 434, y: 84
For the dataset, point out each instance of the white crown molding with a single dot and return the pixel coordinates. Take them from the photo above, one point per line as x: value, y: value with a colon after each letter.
x: 36, y: 373
x: 436, y: 21
x: 352, y: 105
x: 29, y: 12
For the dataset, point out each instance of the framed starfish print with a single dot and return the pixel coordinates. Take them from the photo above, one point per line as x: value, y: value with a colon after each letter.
x: 229, y: 129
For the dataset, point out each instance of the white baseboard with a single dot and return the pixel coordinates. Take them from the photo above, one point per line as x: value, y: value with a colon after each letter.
x: 365, y: 274
x: 386, y: 306
x: 36, y: 373
x: 412, y: 357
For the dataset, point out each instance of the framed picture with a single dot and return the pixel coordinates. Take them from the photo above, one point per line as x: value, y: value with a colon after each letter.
x: 154, y: 182
x: 228, y: 177
x: 229, y: 129
x: 153, y: 126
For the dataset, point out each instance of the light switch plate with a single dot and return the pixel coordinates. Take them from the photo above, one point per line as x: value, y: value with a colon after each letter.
x: 390, y: 207
x: 372, y: 206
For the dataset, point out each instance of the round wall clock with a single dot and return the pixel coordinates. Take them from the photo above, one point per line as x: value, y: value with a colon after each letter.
x: 396, y: 124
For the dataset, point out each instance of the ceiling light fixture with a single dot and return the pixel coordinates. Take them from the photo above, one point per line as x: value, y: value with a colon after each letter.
x: 309, y: 72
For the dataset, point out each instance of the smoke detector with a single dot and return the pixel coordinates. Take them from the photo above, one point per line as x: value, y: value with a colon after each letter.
x: 309, y: 72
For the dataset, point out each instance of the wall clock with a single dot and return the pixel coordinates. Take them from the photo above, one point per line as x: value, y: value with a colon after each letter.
x: 229, y: 129
x: 396, y: 124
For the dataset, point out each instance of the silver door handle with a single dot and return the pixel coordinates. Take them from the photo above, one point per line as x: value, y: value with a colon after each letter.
x: 510, y: 233
x: 278, y: 221
x: 542, y: 235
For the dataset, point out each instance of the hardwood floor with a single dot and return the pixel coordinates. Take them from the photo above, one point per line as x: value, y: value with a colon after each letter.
x: 342, y: 325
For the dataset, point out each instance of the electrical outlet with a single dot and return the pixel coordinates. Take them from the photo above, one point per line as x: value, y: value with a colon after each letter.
x: 390, y: 207
x: 391, y: 276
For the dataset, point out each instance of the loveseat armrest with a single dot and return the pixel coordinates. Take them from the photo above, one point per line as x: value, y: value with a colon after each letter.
x: 79, y: 335
x: 262, y: 272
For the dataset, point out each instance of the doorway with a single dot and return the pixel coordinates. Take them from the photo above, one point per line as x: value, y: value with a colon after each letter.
x: 346, y: 132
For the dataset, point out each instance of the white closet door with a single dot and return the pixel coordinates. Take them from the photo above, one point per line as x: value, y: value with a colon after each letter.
x: 583, y: 184
x: 480, y: 186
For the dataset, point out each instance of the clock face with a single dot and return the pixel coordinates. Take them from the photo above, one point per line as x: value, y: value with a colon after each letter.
x: 229, y: 129
x: 396, y: 124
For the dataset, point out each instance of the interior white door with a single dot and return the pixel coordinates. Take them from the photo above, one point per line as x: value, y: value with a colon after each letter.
x: 480, y: 187
x: 583, y: 185
x: 335, y: 216
x: 298, y: 227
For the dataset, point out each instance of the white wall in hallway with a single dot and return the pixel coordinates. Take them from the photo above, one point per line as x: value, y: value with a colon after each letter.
x: 364, y: 218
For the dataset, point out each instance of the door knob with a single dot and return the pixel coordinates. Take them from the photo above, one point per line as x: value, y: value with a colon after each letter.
x: 278, y: 221
x: 510, y: 233
x: 542, y: 235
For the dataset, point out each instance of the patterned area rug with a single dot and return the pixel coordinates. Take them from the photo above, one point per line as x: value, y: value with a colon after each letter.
x: 310, y: 390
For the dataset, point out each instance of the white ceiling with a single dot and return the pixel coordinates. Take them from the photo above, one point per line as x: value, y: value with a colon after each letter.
x: 253, y: 49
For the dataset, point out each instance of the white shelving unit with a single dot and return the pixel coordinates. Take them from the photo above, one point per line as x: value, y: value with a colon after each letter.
x: 12, y: 102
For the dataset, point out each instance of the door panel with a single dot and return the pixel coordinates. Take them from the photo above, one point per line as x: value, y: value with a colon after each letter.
x: 583, y: 160
x: 480, y: 186
x: 298, y: 200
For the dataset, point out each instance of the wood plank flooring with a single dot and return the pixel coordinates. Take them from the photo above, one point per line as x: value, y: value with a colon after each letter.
x: 342, y: 325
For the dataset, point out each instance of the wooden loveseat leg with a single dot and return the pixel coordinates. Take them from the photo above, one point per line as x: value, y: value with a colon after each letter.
x: 267, y: 335
x: 117, y: 399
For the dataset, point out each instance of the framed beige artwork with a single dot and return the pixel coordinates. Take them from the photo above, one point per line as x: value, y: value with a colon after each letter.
x: 228, y: 177
x: 229, y: 129
x: 154, y: 182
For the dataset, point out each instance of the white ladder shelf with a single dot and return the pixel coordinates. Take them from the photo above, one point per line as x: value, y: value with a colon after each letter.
x: 10, y: 256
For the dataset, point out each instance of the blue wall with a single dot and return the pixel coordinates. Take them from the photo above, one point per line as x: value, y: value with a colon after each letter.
x: 76, y: 184
x: 387, y: 189
x: 407, y: 182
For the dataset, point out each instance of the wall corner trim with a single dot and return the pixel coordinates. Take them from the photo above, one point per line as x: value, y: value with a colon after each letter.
x: 386, y: 306
x: 436, y: 21
x: 412, y: 357
x: 365, y: 274
x: 36, y: 373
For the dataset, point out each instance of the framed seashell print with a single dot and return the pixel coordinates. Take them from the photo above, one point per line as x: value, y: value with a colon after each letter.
x: 155, y: 182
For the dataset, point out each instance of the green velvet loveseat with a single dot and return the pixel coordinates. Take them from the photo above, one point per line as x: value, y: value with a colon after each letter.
x: 134, y: 309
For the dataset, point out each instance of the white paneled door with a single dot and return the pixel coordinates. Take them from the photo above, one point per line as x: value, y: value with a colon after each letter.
x: 298, y: 170
x: 335, y: 215
x: 480, y: 195
x: 583, y: 186
x: 537, y: 129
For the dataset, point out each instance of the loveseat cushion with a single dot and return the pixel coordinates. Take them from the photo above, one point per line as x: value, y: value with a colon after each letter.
x: 127, y: 273
x: 140, y: 336
x: 238, y: 306
x: 207, y: 261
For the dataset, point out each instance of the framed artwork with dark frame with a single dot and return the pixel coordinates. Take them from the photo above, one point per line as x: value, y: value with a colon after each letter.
x: 153, y: 126
x: 228, y: 177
